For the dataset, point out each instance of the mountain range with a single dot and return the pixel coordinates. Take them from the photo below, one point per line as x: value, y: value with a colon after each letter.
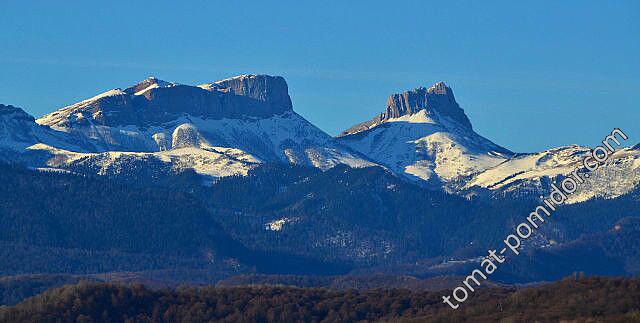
x: 230, y: 126
x: 175, y: 183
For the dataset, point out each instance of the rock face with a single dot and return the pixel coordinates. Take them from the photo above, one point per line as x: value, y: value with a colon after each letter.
x: 152, y: 102
x: 269, y: 89
x: 437, y: 100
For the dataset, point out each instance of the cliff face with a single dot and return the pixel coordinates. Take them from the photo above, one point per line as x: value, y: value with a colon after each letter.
x: 152, y: 102
x: 437, y: 100
x: 272, y: 90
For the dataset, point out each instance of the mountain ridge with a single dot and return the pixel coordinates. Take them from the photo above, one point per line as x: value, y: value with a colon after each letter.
x: 221, y: 128
x: 153, y: 101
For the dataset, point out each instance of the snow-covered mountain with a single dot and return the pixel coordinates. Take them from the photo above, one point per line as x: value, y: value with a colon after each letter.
x: 425, y: 135
x: 218, y: 129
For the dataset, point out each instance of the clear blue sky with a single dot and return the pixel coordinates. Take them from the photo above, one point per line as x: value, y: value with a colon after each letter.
x: 529, y: 76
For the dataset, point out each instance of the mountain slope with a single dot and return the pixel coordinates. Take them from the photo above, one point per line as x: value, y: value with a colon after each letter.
x: 66, y: 223
x: 532, y: 174
x: 19, y: 131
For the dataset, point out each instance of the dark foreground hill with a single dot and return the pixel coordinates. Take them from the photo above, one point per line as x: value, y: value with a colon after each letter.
x: 584, y: 299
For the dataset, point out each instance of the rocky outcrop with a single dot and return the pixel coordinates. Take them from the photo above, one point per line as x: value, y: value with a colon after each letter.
x: 153, y: 102
x: 269, y: 89
x: 438, y: 101
x: 185, y: 135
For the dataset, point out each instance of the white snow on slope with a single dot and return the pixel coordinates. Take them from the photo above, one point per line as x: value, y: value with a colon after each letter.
x: 213, y: 162
x: 550, y: 163
x: 438, y: 150
x: 61, y: 114
x: 284, y: 138
x: 620, y: 175
x: 427, y: 147
x: 112, y: 92
x: 18, y: 131
x: 216, y: 84
x: 278, y: 225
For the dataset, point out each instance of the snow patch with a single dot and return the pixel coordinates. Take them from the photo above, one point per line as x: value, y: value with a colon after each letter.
x: 277, y: 225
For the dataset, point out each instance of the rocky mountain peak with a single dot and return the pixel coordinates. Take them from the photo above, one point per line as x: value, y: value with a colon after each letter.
x: 440, y: 88
x: 438, y: 101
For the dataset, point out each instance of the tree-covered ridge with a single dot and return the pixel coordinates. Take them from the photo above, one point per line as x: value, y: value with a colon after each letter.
x: 59, y: 223
x: 594, y: 299
x: 333, y: 222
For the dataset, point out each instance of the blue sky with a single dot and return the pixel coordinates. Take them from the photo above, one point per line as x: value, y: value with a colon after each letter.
x: 529, y: 76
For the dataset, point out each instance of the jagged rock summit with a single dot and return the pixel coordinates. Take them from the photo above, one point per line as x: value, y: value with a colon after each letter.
x: 265, y: 88
x: 437, y: 101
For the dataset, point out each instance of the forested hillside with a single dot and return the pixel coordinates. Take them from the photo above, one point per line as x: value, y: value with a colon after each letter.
x: 586, y: 299
x: 59, y: 223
